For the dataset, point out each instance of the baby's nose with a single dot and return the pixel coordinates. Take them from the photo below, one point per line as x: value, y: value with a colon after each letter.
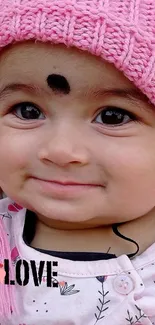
x: 64, y: 147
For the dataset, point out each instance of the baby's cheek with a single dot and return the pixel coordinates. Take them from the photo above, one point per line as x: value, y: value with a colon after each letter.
x: 128, y: 166
x: 12, y: 153
x: 14, y: 162
x: 134, y: 179
x: 128, y: 158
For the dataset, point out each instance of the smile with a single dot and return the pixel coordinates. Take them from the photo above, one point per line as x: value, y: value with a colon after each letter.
x: 64, y: 189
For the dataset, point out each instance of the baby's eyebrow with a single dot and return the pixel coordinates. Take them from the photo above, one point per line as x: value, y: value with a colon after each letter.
x: 127, y: 93
x: 132, y: 94
x: 13, y: 87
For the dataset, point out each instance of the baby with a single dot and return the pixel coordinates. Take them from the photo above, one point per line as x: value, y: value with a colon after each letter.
x: 77, y: 148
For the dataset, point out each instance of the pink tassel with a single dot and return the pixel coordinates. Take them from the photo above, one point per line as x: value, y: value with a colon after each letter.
x: 7, y: 292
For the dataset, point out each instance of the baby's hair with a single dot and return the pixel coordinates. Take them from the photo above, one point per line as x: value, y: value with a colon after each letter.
x: 1, y: 194
x: 117, y: 233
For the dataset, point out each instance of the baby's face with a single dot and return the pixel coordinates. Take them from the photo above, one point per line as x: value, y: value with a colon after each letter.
x: 89, y: 126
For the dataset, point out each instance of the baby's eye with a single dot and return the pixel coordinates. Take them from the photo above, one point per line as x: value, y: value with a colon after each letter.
x: 27, y: 111
x: 112, y: 115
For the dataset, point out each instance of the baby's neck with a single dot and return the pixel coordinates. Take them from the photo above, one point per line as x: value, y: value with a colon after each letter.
x: 100, y: 239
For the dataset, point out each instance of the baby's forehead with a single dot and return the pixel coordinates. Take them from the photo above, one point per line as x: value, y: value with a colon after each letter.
x: 58, y: 66
x: 58, y: 58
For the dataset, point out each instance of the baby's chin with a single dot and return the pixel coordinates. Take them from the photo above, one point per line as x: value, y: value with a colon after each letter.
x: 70, y: 220
x: 69, y: 214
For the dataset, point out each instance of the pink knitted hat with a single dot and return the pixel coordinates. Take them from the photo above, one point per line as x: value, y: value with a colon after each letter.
x: 119, y: 31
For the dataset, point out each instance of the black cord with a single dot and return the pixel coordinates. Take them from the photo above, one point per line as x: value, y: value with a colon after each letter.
x: 117, y: 233
x: 29, y: 227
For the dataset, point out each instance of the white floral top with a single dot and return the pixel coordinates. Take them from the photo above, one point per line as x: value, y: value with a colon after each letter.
x: 55, y: 291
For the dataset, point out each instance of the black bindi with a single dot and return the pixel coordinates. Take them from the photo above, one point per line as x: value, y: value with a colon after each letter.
x: 58, y: 83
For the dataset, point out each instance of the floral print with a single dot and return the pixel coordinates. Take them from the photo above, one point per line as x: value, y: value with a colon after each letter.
x: 135, y: 320
x: 6, y: 215
x: 15, y: 255
x: 14, y: 207
x: 103, y: 301
x: 66, y: 290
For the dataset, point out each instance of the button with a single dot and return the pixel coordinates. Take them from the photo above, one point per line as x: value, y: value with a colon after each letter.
x: 123, y: 284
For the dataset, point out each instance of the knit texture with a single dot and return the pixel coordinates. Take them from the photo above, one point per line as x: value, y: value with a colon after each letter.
x: 119, y: 31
